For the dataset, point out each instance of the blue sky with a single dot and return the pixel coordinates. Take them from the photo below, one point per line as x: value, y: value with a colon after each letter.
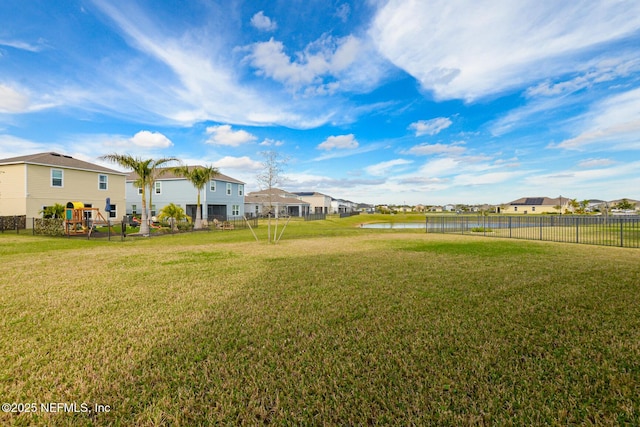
x: 398, y: 101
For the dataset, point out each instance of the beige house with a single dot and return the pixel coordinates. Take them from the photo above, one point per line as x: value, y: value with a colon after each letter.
x: 277, y: 202
x: 318, y: 203
x: 30, y: 183
x: 536, y: 205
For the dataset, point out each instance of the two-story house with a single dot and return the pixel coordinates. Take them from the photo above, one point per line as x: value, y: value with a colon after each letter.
x: 318, y: 203
x: 30, y: 183
x: 222, y: 198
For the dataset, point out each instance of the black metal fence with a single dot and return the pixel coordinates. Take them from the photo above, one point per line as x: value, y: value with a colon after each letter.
x: 112, y: 229
x: 623, y: 231
x: 315, y: 217
x: 348, y: 214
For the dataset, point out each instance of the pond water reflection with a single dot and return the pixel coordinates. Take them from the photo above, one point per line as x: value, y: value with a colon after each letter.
x: 394, y: 225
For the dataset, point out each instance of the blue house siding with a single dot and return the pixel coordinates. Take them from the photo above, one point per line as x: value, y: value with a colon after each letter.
x: 179, y: 191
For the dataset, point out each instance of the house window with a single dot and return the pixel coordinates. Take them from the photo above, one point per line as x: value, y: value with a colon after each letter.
x: 158, y: 187
x: 228, y: 189
x: 212, y: 186
x: 113, y: 212
x: 515, y: 209
x: 57, y: 178
x: 153, y: 210
x: 235, y: 210
x: 134, y: 209
x: 240, y: 189
x: 533, y: 208
x: 103, y: 181
x: 139, y: 191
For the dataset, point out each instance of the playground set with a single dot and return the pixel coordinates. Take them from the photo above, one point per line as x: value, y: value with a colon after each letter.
x: 82, y: 220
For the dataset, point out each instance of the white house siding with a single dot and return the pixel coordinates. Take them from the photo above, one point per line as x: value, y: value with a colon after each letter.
x: 32, y: 190
x: 318, y: 202
x: 181, y: 192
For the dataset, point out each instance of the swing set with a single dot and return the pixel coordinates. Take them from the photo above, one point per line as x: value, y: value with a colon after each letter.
x: 82, y: 220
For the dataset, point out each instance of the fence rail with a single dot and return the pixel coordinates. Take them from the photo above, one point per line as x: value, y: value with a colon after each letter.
x: 315, y: 217
x: 112, y: 228
x: 623, y: 231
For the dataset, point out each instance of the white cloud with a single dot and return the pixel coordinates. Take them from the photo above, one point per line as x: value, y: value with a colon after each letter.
x: 326, y: 66
x: 146, y: 139
x: 18, y: 44
x: 613, y: 123
x: 486, y: 178
x: 262, y: 22
x: 341, y: 142
x: 202, y: 82
x: 470, y: 49
x: 594, y: 163
x: 12, y: 146
x: 268, y: 142
x: 429, y: 149
x: 12, y: 100
x: 223, y: 135
x: 430, y: 127
x: 343, y: 11
x: 383, y: 168
x: 243, y: 163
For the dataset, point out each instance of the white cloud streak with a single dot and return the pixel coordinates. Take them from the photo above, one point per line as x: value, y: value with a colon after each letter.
x: 430, y: 127
x: 12, y: 100
x: 430, y: 149
x: 471, y: 49
x: 612, y: 124
x: 341, y: 142
x: 384, y: 168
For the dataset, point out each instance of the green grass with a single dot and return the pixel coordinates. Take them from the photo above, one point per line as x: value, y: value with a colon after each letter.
x: 333, y: 325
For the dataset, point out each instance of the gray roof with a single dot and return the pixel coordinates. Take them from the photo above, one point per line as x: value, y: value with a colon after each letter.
x: 167, y: 174
x: 59, y: 160
x: 277, y: 196
x: 539, y: 201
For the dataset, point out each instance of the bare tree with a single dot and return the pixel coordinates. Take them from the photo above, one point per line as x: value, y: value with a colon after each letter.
x: 269, y: 177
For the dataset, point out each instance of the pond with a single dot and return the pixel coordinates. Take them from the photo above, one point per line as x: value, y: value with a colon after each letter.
x: 394, y: 225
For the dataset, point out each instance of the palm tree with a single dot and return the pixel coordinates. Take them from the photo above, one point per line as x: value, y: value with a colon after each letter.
x: 173, y: 213
x: 146, y: 171
x: 55, y: 211
x: 199, y: 176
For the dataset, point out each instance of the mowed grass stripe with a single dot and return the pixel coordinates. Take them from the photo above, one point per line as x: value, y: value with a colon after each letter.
x: 370, y: 328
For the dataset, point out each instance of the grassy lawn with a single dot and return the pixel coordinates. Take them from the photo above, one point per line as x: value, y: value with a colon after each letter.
x: 333, y: 325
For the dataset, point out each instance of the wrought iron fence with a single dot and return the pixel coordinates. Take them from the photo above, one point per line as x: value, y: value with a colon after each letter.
x: 606, y: 230
x: 112, y: 229
x: 315, y: 217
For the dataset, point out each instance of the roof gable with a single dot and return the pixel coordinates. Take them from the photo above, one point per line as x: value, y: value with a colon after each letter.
x: 168, y: 174
x: 58, y: 160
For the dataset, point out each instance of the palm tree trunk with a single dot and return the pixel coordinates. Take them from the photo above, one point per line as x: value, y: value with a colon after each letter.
x: 144, y: 223
x: 198, y: 214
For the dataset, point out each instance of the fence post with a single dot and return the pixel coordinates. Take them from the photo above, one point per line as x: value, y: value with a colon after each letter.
x: 540, y: 218
x: 621, y: 233
x: 577, y: 220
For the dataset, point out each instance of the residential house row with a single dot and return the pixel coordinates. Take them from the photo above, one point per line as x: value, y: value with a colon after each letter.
x: 31, y: 183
